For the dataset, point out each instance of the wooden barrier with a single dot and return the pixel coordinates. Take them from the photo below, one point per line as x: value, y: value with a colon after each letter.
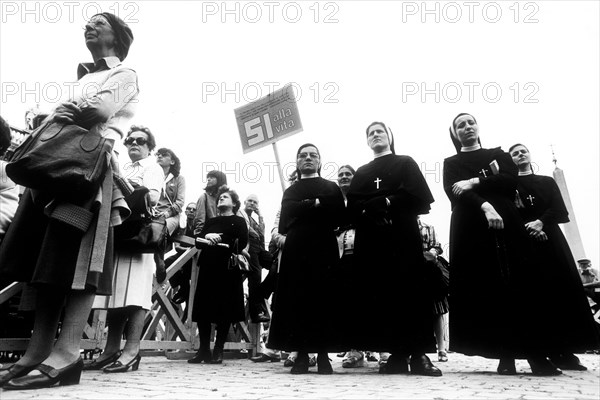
x: 165, y: 329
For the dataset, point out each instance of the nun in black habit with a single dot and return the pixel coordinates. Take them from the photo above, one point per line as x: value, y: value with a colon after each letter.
x: 493, y: 312
x: 384, y: 199
x: 303, y: 307
x: 566, y: 315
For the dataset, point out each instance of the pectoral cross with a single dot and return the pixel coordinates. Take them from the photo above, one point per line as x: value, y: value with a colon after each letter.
x: 530, y: 198
x: 483, y: 172
x: 377, y: 182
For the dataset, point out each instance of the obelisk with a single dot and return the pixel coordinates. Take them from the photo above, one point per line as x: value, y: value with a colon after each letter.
x: 570, y: 229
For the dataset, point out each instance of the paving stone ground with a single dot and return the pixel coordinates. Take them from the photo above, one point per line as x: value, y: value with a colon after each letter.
x: 464, y: 378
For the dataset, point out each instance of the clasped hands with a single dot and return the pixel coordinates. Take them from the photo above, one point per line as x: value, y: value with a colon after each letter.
x: 67, y: 113
x: 534, y: 229
x: 376, y: 209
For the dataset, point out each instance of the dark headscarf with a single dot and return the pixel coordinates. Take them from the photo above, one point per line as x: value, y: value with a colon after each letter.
x: 389, y: 133
x: 299, y: 174
x: 221, y: 180
x: 123, y: 34
x: 454, y: 136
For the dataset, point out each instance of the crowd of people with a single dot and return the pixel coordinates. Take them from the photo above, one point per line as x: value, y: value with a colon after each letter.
x: 506, y: 251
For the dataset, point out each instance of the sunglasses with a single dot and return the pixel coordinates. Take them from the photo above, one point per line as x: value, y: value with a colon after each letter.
x: 139, y: 141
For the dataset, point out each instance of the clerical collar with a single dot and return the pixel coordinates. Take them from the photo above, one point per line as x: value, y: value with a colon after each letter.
x: 308, y: 176
x: 466, y: 149
x: 530, y: 172
x: 385, y: 153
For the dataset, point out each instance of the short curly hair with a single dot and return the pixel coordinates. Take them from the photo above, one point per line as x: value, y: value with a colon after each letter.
x: 140, y: 128
x: 5, y: 137
x: 235, y: 198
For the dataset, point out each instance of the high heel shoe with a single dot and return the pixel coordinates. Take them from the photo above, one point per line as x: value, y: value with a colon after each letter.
x: 118, y: 366
x: 49, y: 376
x: 14, y: 371
x: 96, y: 365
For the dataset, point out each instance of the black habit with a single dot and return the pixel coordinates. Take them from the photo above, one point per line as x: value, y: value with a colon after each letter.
x: 565, y: 312
x: 389, y: 262
x: 219, y: 294
x: 303, y: 308
x: 490, y: 279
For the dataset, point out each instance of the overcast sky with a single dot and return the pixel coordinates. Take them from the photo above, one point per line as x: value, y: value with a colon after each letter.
x: 528, y: 71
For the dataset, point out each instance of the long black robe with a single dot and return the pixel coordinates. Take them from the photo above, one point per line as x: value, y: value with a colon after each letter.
x: 565, y: 312
x: 489, y: 275
x: 395, y: 308
x: 219, y: 294
x: 303, y: 307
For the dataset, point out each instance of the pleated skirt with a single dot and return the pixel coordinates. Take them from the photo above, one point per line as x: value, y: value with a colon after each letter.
x: 132, y: 282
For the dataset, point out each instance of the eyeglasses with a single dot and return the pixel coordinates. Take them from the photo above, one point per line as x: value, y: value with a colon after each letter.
x: 95, y: 23
x: 162, y: 155
x: 518, y: 152
x: 306, y: 155
x: 190, y: 209
x: 140, y: 141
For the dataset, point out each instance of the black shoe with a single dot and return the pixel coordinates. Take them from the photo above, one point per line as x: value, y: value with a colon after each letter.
x: 289, y: 362
x: 118, y: 366
x: 422, y: 365
x: 541, y: 366
x: 182, y: 295
x: 394, y: 365
x: 300, y: 365
x: 49, y: 376
x: 14, y: 371
x: 262, y: 317
x: 217, y: 356
x: 96, y: 365
x: 568, y: 361
x: 323, y: 365
x: 202, y: 355
x: 264, y: 358
x: 506, y: 366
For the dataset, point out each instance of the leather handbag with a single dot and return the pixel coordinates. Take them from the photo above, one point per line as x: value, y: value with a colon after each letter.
x: 61, y: 159
x: 141, y: 232
x: 150, y: 237
x: 238, y: 261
